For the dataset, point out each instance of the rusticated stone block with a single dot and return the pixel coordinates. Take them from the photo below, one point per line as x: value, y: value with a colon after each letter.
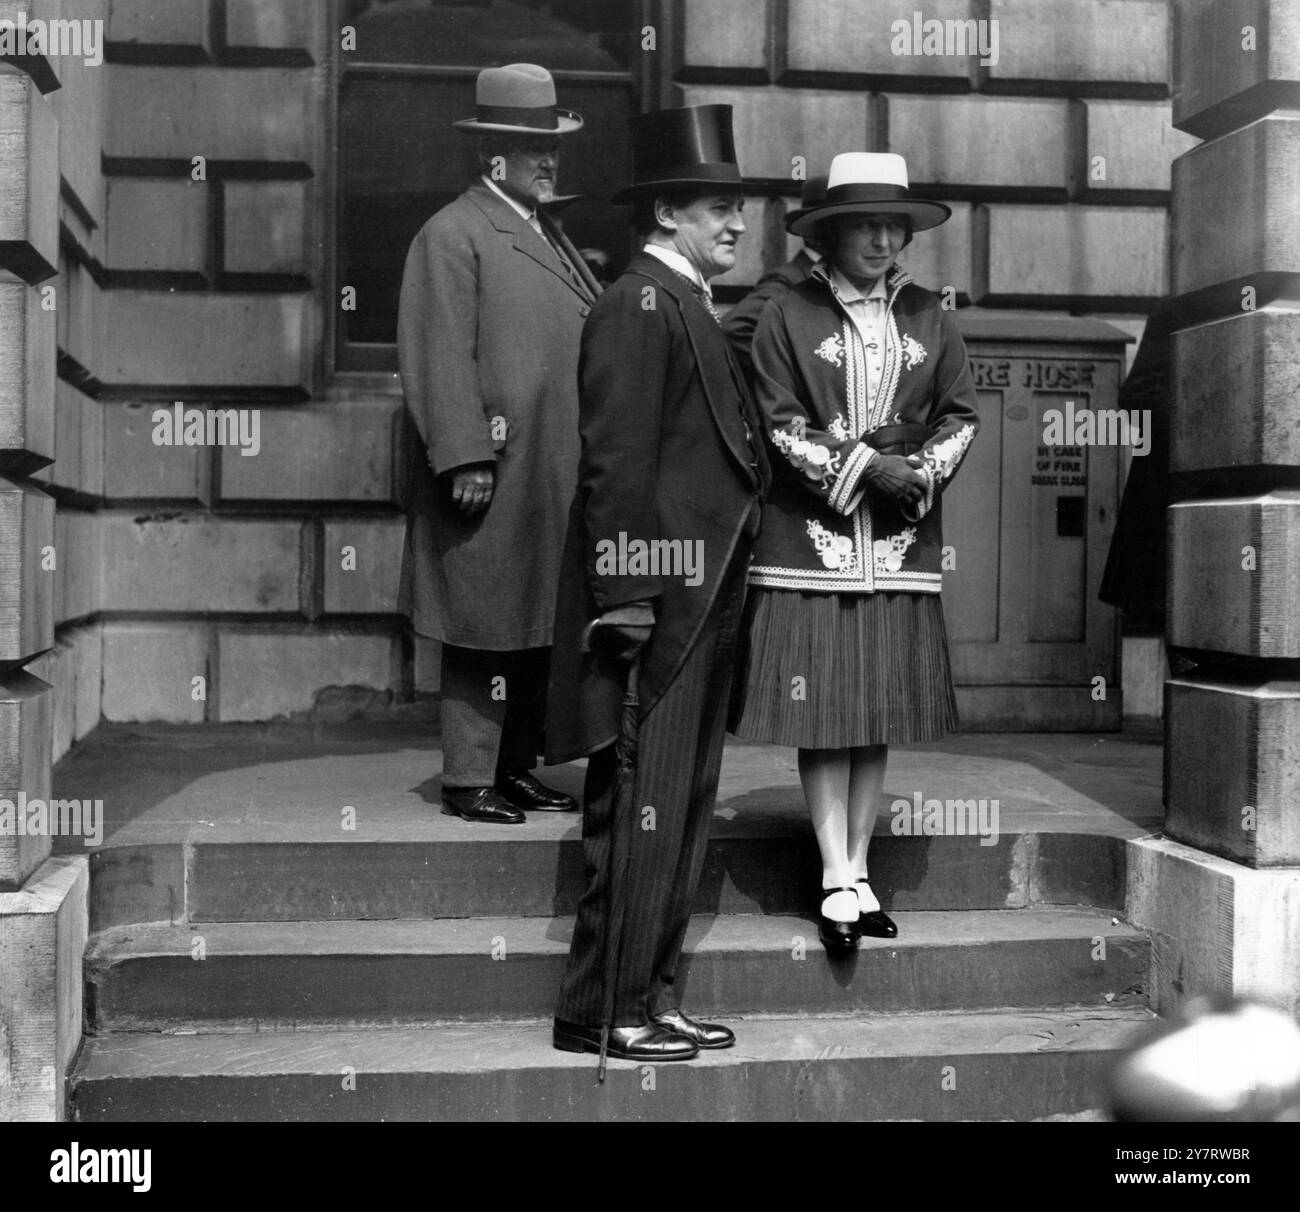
x: 27, y: 571
x: 136, y: 468
x: 271, y: 674
x: 1127, y: 145
x: 149, y: 672
x: 74, y: 668
x: 29, y: 181
x: 157, y: 224
x: 189, y: 562
x: 364, y: 579
x: 1052, y: 250
x: 220, y: 113
x: 772, y: 125
x: 725, y: 33
x: 1240, y: 803
x: 1234, y: 61
x: 1236, y: 393
x: 26, y: 737
x: 45, y: 69
x: 1089, y: 41
x: 340, y: 451
x: 981, y: 140
x: 276, y: 24
x: 28, y: 361
x: 1236, y: 206
x: 43, y: 929
x: 1216, y: 927
x: 205, y: 340
x: 146, y: 22
x: 80, y: 108
x: 78, y: 443
x: 1235, y: 575
x: 941, y: 257
x: 848, y: 36
x: 80, y: 316
x: 266, y: 227
x: 77, y: 581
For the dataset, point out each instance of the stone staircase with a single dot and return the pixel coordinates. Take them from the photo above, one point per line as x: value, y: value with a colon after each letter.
x: 414, y: 979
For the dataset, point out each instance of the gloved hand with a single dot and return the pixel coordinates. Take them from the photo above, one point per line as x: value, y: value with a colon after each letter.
x: 472, y: 487
x: 897, y: 478
x: 621, y: 633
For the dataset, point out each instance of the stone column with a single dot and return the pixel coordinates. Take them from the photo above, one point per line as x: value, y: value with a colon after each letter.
x: 1222, y: 892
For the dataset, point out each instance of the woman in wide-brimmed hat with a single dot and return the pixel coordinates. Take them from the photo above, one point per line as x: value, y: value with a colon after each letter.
x: 868, y: 404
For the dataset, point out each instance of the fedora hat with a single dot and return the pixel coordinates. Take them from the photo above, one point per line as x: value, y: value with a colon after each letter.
x: 867, y: 183
x: 518, y: 99
x: 681, y: 148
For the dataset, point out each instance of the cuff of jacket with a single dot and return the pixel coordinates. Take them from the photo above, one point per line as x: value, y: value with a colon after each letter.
x: 926, y: 503
x: 846, y: 496
x: 448, y: 456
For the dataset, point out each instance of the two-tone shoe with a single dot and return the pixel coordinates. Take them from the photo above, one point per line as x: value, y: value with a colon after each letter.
x: 702, y: 1035
x: 872, y: 921
x: 838, y: 937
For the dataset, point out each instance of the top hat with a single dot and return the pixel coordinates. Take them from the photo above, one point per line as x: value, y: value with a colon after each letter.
x: 681, y: 148
x: 518, y: 99
x: 867, y: 183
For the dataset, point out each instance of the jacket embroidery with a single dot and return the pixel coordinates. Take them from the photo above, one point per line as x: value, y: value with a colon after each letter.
x: 836, y: 550
x: 942, y: 458
x: 816, y: 462
x: 887, y: 554
x: 838, y: 428
x: 913, y: 351
x: 832, y: 349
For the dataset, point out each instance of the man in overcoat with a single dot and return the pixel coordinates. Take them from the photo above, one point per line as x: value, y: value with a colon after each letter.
x: 671, y: 456
x: 492, y: 306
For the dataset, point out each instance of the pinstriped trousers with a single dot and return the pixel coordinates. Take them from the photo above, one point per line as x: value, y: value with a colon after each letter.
x: 678, y: 763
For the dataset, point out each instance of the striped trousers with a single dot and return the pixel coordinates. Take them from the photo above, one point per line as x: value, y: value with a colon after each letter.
x: 678, y: 762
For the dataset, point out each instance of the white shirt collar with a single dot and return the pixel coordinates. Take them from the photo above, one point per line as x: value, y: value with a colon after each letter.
x: 517, y: 207
x: 674, y: 260
x: 849, y: 293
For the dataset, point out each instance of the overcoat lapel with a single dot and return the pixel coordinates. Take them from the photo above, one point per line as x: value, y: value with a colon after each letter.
x: 507, y: 221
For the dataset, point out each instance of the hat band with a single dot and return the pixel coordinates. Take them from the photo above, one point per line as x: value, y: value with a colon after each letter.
x: 838, y: 195
x: 539, y: 117
x: 727, y: 174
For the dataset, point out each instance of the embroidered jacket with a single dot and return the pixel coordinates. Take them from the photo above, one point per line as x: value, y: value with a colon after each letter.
x: 823, y: 529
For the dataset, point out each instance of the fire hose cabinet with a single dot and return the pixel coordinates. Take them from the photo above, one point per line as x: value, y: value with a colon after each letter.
x: 1027, y: 525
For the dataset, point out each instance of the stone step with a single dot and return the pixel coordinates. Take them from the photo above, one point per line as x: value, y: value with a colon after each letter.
x: 342, y: 974
x: 475, y: 872
x: 968, y: 1066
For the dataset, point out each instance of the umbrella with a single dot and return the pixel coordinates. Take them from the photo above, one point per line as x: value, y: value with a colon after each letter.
x: 622, y: 815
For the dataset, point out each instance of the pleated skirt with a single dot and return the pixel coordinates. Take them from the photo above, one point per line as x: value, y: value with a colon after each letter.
x: 834, y: 671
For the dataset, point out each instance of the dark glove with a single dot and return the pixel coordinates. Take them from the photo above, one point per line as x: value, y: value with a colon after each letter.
x: 621, y: 633
x: 896, y: 478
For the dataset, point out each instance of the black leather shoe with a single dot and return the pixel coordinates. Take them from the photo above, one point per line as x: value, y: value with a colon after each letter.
x: 837, y: 937
x: 702, y: 1035
x: 877, y: 923
x: 523, y: 791
x: 650, y: 1042
x: 479, y: 804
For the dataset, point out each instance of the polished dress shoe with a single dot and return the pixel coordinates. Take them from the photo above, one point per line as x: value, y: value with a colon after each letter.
x: 523, y: 791
x: 871, y: 920
x: 649, y: 1042
x: 479, y: 804
x: 837, y: 937
x: 703, y: 1035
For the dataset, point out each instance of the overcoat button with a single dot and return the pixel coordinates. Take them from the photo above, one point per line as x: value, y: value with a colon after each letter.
x: 584, y: 311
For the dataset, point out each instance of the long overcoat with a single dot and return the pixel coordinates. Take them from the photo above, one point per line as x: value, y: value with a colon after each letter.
x: 489, y: 328
x: 671, y: 453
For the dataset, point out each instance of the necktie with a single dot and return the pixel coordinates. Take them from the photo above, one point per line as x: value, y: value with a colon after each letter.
x: 704, y: 297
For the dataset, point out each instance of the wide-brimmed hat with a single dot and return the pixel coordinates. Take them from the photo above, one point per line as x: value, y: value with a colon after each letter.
x: 867, y: 183
x: 518, y: 99
x: 682, y: 148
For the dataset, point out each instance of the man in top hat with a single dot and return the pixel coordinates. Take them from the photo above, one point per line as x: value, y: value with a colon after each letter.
x: 492, y: 306
x: 742, y: 319
x: 671, y: 462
